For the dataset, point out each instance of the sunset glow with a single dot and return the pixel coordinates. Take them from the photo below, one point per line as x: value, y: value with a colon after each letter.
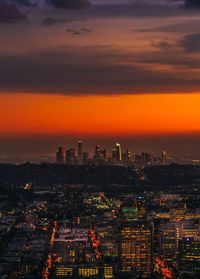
x: 99, y: 115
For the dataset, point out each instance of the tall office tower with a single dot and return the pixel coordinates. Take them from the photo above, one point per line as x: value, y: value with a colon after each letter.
x: 146, y: 159
x: 189, y: 257
x: 97, y: 155
x: 103, y: 154
x: 142, y: 207
x: 163, y: 157
x: 70, y: 156
x: 60, y: 155
x: 135, y: 248
x: 171, y: 234
x: 128, y: 155
x: 85, y: 157
x: 118, y: 152
x: 114, y: 154
x: 80, y: 152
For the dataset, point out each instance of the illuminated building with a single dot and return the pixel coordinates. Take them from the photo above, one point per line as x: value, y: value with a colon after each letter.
x: 70, y: 156
x: 70, y: 245
x: 135, y: 248
x: 118, y: 152
x: 189, y: 257
x: 171, y: 234
x: 60, y: 155
x: 107, y: 237
x: 163, y: 157
x: 93, y: 271
x: 80, y: 152
x: 129, y: 213
x: 129, y: 210
x: 178, y: 213
x: 142, y: 208
x: 128, y: 155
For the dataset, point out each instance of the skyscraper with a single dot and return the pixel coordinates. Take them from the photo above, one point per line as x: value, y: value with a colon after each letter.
x: 163, y: 157
x: 60, y: 155
x: 80, y: 152
x: 189, y: 257
x: 70, y: 156
x: 135, y: 248
x: 128, y: 155
x: 100, y: 154
x: 97, y: 155
x: 118, y: 152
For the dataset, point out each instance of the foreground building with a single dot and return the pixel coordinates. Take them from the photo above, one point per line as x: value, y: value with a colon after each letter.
x: 135, y: 248
x: 189, y: 257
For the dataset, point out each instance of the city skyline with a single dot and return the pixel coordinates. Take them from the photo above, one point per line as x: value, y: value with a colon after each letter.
x: 125, y: 69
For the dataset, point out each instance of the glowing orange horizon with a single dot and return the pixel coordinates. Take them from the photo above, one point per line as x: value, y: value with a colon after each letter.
x: 26, y: 114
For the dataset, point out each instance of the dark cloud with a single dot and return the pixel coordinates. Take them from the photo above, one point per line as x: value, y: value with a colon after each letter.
x: 79, y: 32
x: 70, y: 4
x: 23, y: 2
x: 192, y: 3
x: 165, y: 44
x: 95, y: 71
x: 49, y: 21
x: 191, y: 43
x: 10, y: 13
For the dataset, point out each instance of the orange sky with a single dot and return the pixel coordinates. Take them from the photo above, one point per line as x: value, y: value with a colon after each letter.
x: 23, y: 114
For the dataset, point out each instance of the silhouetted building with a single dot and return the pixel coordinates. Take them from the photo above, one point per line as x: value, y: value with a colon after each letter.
x: 70, y: 156
x: 163, y: 157
x: 100, y: 155
x: 97, y: 155
x: 80, y: 152
x: 85, y: 157
x: 145, y: 159
x: 60, y: 155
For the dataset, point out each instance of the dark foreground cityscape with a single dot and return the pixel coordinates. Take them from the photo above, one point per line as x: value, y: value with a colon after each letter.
x: 125, y: 73
x: 120, y: 217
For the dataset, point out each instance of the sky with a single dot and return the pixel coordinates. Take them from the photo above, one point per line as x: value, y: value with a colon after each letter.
x: 103, y: 71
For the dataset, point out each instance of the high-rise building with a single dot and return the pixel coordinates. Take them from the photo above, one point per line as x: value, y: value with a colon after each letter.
x: 135, y: 248
x: 113, y: 154
x: 146, y: 159
x: 97, y: 155
x: 80, y: 152
x: 85, y: 157
x: 70, y: 156
x: 118, y: 152
x: 128, y: 155
x: 60, y: 155
x: 189, y: 257
x: 142, y: 207
x: 172, y: 232
x: 163, y: 157
x: 100, y: 154
x: 103, y: 154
